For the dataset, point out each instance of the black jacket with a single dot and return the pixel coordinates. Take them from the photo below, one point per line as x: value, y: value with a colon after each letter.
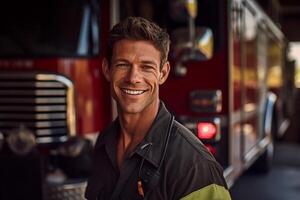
x: 170, y: 162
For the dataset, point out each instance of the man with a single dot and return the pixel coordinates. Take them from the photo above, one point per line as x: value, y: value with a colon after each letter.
x: 145, y: 153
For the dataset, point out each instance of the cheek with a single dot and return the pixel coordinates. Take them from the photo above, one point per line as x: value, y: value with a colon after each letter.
x: 152, y: 76
x: 153, y: 82
x: 115, y: 81
x: 117, y: 76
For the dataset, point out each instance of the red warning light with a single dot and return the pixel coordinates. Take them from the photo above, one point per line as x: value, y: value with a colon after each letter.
x: 206, y: 130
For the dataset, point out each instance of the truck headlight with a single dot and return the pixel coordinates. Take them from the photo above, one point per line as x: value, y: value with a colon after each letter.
x: 21, y: 141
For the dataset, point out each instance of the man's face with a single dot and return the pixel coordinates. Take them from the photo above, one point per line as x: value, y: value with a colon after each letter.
x: 135, y: 75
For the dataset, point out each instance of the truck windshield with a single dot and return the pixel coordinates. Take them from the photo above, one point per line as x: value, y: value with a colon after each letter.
x: 170, y: 14
x: 49, y: 28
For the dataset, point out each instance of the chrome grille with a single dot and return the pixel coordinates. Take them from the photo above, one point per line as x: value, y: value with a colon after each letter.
x: 68, y: 191
x: 41, y: 102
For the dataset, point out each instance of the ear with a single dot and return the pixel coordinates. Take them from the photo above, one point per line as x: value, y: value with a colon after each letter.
x: 164, y: 73
x: 105, y: 69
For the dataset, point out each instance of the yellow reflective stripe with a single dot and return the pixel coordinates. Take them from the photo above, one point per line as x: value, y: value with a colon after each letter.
x: 210, y: 192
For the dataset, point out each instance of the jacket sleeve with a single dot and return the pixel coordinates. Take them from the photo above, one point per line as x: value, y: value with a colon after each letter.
x: 202, y: 181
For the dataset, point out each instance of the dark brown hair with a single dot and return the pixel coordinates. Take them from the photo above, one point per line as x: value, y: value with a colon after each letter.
x: 138, y: 28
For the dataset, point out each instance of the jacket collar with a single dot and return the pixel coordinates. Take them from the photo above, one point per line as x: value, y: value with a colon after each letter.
x: 156, y: 137
x: 152, y: 146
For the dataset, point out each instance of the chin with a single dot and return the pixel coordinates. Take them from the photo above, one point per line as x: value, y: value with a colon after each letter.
x: 131, y: 109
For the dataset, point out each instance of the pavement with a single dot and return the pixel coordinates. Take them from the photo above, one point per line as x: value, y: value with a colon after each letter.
x: 281, y: 183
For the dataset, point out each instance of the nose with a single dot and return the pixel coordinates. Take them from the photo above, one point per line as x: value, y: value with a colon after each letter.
x: 134, y: 75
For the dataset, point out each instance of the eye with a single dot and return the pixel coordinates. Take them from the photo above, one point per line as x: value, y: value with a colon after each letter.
x: 148, y: 67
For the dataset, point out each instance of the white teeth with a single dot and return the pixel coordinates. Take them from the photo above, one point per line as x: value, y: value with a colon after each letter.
x: 133, y: 92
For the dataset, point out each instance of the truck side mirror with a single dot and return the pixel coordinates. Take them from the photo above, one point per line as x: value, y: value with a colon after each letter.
x: 191, y: 6
x: 184, y: 50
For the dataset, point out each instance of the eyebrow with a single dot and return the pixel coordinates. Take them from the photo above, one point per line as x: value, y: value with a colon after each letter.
x: 149, y: 62
x: 121, y: 60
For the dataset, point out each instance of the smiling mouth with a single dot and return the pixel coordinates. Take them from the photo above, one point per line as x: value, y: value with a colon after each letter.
x: 133, y: 92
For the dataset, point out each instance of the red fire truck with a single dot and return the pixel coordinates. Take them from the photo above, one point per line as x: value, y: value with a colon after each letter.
x: 51, y: 90
x: 227, y: 85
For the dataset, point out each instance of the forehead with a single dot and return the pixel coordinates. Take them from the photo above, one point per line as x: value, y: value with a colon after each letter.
x: 131, y: 49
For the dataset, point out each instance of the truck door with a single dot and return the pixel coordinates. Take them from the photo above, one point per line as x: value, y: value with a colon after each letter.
x: 250, y: 83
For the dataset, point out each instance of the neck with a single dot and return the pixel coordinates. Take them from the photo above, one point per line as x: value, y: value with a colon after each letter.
x: 134, y: 127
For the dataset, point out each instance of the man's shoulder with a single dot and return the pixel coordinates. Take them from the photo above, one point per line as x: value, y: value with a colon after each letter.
x: 190, y: 163
x: 188, y: 147
x: 105, y: 134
